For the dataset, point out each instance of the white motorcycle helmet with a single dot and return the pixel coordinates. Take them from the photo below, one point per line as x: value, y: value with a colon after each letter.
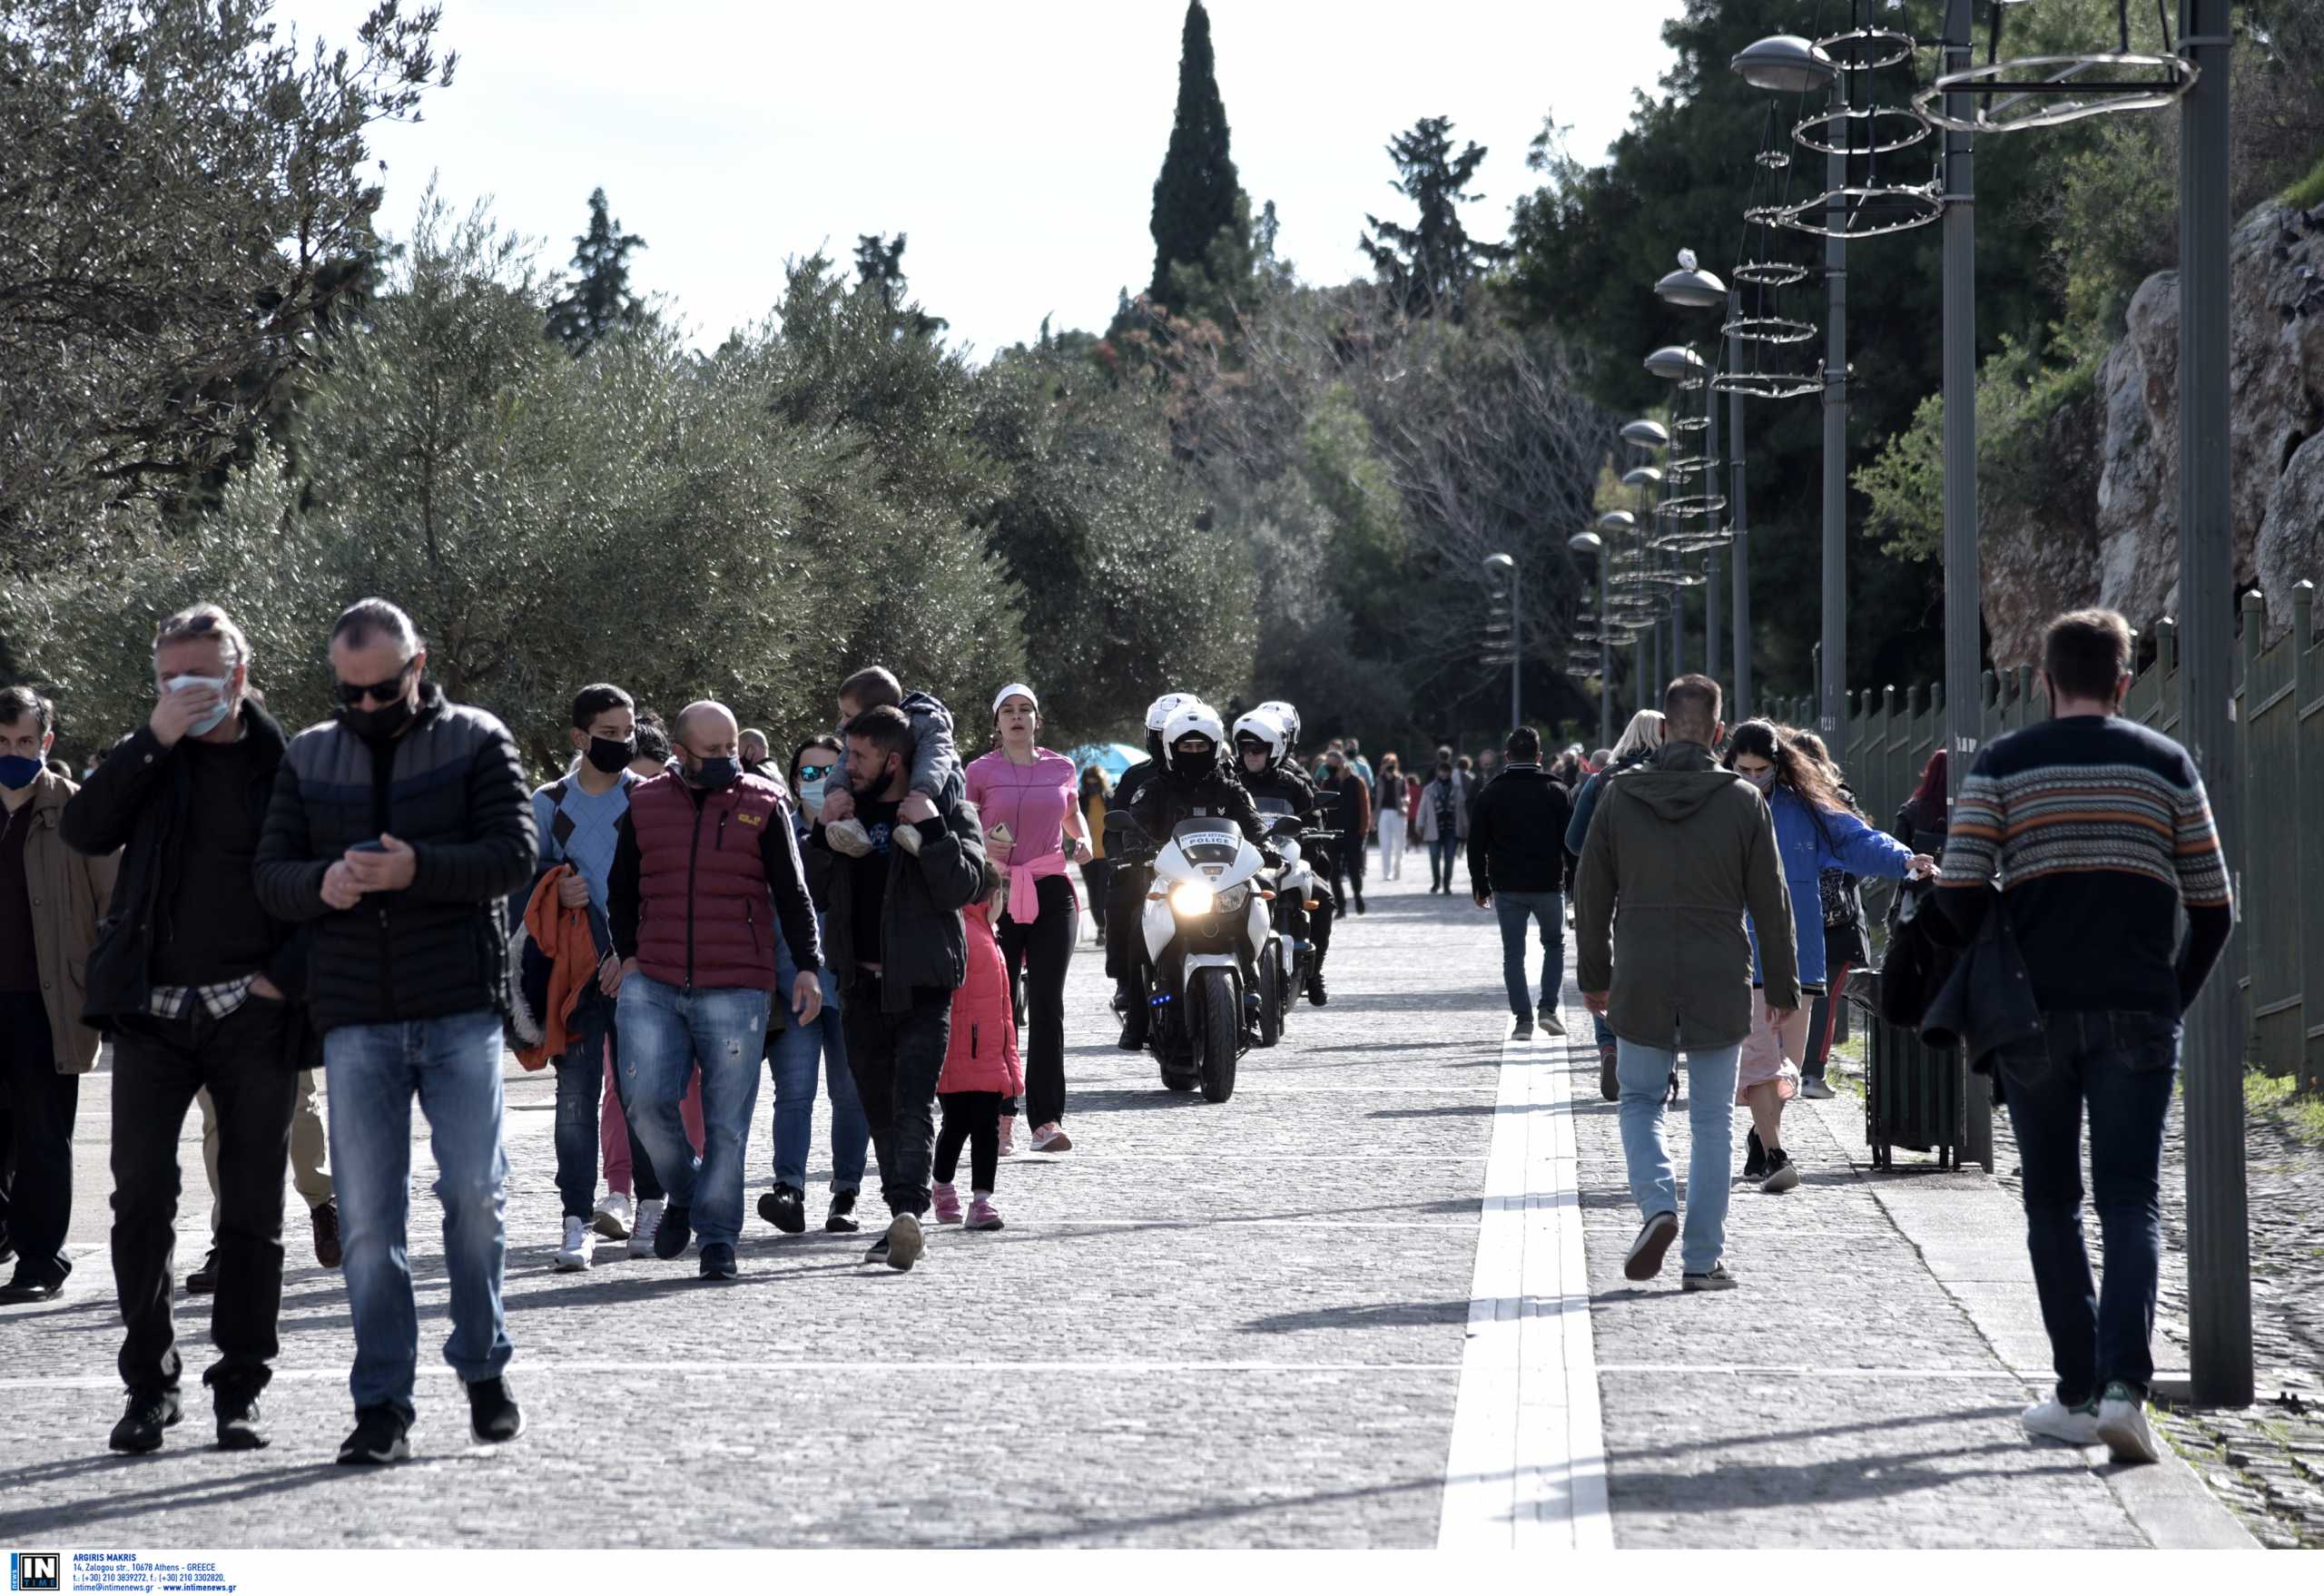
x: 1193, y: 718
x: 1157, y: 713
x: 1268, y: 729
x: 1286, y: 717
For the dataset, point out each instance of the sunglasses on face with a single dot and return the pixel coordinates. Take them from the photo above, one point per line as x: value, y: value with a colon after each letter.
x: 815, y: 773
x: 354, y: 692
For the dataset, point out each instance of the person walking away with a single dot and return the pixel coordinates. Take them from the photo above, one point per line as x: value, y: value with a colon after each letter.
x: 1096, y: 875
x: 1679, y: 852
x: 1441, y: 818
x: 981, y: 1070
x: 1815, y: 831
x: 51, y: 899
x: 1353, y: 820
x: 796, y: 1051
x: 936, y: 770
x: 193, y: 979
x: 1637, y: 744
x: 1024, y: 793
x: 1843, y: 945
x: 705, y: 869
x: 900, y: 949
x: 2098, y: 832
x: 399, y: 830
x: 1125, y: 905
x: 1518, y: 867
x: 1390, y: 800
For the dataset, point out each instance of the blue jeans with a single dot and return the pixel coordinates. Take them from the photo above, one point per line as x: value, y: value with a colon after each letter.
x: 580, y: 1087
x: 664, y: 1033
x: 1443, y: 854
x: 2120, y: 1065
x: 792, y: 1062
x: 452, y: 1065
x: 1515, y: 909
x: 1645, y: 1074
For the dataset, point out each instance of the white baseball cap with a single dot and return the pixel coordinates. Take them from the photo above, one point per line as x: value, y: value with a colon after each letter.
x: 1016, y: 690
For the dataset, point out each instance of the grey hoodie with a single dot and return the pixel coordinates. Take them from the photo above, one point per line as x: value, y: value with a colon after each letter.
x: 1678, y: 850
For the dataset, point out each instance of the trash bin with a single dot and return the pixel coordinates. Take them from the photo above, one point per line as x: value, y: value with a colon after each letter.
x: 1915, y: 1096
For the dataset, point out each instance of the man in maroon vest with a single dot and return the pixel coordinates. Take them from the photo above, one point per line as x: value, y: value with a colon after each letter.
x: 705, y: 867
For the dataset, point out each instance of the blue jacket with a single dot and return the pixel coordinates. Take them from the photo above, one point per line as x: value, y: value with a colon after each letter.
x: 1811, y: 843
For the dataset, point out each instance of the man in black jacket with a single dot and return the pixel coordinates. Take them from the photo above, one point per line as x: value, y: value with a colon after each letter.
x: 1517, y: 864
x: 1126, y: 902
x: 190, y: 977
x: 398, y: 830
x: 898, y: 951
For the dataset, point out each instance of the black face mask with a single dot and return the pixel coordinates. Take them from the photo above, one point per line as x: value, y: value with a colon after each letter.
x: 376, y: 725
x: 715, y: 774
x: 611, y: 757
x: 1197, y: 767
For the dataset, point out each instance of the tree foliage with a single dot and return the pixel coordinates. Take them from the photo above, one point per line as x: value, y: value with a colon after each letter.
x: 1197, y: 194
x: 598, y: 302
x: 1430, y: 266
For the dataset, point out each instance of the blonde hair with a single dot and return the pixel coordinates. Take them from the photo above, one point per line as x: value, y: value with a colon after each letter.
x: 1643, y: 735
x: 205, y: 620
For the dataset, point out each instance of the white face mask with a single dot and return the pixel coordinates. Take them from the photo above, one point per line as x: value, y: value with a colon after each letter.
x: 1765, y: 780
x: 217, y: 685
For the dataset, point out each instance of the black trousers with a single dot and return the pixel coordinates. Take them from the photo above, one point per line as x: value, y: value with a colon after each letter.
x: 158, y: 1065
x: 971, y: 1119
x: 895, y: 1059
x: 1097, y: 876
x: 1124, y: 915
x: 36, y: 1184
x: 1347, y: 865
x: 1039, y: 955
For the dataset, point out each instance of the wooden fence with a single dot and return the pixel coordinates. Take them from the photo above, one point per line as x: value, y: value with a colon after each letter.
x: 2278, y: 786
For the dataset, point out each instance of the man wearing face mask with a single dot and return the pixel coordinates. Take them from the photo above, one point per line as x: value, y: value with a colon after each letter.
x: 705, y: 869
x: 192, y: 980
x: 399, y: 830
x: 50, y: 901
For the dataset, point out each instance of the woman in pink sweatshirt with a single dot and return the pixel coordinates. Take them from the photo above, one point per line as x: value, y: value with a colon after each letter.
x: 981, y: 1070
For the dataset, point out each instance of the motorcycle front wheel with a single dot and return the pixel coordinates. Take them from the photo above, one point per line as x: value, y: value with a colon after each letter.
x: 1219, y: 1031
x: 1274, y: 995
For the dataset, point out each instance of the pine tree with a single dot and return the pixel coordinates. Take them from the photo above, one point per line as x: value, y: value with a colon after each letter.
x: 879, y: 271
x: 1429, y: 266
x: 1195, y: 196
x: 599, y: 301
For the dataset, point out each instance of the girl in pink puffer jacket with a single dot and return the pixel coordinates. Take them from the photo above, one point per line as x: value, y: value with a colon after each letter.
x: 982, y: 1069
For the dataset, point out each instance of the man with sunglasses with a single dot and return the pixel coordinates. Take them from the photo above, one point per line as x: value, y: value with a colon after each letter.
x: 399, y: 830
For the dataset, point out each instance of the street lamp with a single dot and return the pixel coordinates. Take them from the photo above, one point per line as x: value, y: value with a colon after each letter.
x: 1503, y: 569
x: 1786, y: 63
x: 1591, y: 546
x: 1690, y: 287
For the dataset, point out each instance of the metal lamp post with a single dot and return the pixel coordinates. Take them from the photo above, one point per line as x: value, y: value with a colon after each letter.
x: 1505, y: 569
x: 1590, y: 545
x: 1691, y: 288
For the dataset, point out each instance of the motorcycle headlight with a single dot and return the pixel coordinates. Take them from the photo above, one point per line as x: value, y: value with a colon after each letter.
x: 1232, y: 900
x: 1192, y: 898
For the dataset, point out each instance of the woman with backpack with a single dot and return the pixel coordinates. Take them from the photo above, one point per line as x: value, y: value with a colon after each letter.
x: 1815, y: 831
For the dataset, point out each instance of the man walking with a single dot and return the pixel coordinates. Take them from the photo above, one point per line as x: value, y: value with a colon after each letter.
x: 193, y: 979
x: 2099, y: 832
x: 1353, y: 821
x: 705, y: 867
x: 898, y: 951
x: 51, y: 899
x: 1441, y: 819
x: 1518, y: 866
x: 1679, y: 851
x: 399, y: 830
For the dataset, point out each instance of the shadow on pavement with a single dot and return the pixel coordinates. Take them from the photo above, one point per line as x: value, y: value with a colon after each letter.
x: 123, y: 1504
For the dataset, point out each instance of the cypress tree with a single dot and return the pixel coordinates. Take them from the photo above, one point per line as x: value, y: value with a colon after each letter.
x: 599, y: 299
x: 1193, y: 198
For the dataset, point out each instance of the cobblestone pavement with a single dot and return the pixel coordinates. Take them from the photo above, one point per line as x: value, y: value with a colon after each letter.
x: 2265, y: 1461
x: 1239, y: 1325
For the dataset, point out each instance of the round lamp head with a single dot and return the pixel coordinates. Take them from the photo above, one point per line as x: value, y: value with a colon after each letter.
x: 1642, y: 476
x: 1786, y: 63
x: 1615, y: 522
x: 1585, y: 543
x: 1690, y: 286
x: 1501, y: 564
x: 1647, y: 435
x: 1675, y: 363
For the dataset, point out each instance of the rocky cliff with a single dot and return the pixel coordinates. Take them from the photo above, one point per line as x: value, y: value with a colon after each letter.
x: 2105, y: 528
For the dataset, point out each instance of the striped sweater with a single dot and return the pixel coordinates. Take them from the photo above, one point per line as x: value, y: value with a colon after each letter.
x: 2098, y: 830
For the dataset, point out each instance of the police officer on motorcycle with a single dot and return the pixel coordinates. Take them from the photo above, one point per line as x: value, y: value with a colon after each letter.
x: 1125, y: 901
x: 1278, y: 786
x: 1197, y: 782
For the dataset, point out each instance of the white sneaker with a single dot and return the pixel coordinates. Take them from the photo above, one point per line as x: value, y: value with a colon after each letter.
x: 648, y: 1225
x: 1008, y: 1135
x: 612, y: 1217
x: 2054, y: 1421
x: 1051, y: 1138
x: 907, y: 837
x: 849, y: 837
x: 575, y: 1254
x: 2123, y: 1426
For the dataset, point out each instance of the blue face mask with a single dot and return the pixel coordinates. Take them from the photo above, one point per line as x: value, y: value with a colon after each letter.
x: 217, y: 685
x: 17, y: 772
x: 811, y: 791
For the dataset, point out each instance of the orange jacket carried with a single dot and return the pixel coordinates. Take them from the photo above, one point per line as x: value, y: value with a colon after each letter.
x: 563, y: 935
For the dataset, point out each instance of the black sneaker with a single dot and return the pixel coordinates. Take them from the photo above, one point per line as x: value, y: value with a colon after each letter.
x: 904, y: 1242
x: 1133, y: 1039
x: 1783, y: 1175
x: 380, y: 1436
x: 1359, y: 902
x: 1552, y: 1021
x: 493, y: 1413
x: 786, y: 1208
x: 842, y: 1214
x: 1316, y: 995
x: 677, y: 1229
x: 1716, y: 1278
x: 1524, y: 1033
x: 238, y: 1424
x: 141, y: 1422
x: 1755, y: 1157
x: 204, y: 1279
x: 877, y: 1253
x: 718, y: 1262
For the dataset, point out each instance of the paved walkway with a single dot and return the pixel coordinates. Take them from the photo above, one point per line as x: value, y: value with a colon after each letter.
x: 1374, y: 1300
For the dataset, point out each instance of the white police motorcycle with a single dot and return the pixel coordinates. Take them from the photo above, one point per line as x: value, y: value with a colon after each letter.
x: 1207, y: 921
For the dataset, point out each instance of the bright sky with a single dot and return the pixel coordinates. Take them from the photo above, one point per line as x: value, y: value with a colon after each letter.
x: 1017, y: 144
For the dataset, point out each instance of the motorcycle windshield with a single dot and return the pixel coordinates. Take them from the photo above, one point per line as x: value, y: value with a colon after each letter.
x: 1273, y: 806
x: 1207, y: 843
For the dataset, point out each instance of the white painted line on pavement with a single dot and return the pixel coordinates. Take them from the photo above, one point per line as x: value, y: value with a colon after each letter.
x: 560, y: 1365
x: 1526, y: 1469
x: 1821, y: 1371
